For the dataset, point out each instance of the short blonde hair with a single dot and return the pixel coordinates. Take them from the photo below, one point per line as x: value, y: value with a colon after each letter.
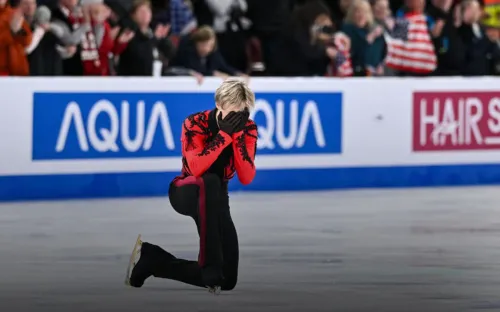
x: 203, y: 34
x: 360, y: 5
x: 234, y: 92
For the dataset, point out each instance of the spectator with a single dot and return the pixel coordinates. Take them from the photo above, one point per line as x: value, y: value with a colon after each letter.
x: 494, y: 63
x: 367, y: 42
x: 448, y: 44
x: 43, y: 56
x: 302, y: 49
x: 339, y: 10
x: 382, y: 14
x: 410, y: 50
x: 492, y: 17
x: 268, y: 19
x: 148, y: 51
x: 15, y: 36
x: 119, y: 14
x: 177, y: 13
x: 101, y: 43
x: 227, y: 19
x: 71, y: 22
x: 480, y: 51
x: 198, y: 53
x: 182, y: 18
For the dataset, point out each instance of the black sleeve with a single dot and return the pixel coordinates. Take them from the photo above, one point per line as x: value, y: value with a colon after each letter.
x: 166, y: 48
x: 310, y: 52
x: 221, y: 65
x: 180, y: 57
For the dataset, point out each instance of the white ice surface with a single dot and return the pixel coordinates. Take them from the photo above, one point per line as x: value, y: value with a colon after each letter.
x: 376, y: 250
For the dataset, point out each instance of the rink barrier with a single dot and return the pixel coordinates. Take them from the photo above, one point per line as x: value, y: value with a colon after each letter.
x: 66, y: 138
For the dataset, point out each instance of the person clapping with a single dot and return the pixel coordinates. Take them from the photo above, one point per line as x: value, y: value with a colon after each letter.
x: 15, y: 36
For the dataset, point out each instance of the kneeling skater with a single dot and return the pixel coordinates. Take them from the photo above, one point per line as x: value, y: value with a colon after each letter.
x: 215, y: 144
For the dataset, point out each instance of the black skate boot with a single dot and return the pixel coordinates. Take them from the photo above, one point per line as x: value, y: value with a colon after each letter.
x: 139, y: 268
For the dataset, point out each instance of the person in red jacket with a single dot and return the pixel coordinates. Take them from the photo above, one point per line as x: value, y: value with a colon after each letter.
x: 216, y: 145
x: 101, y: 42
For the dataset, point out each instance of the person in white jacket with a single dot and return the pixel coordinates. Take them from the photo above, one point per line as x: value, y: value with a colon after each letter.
x: 227, y: 18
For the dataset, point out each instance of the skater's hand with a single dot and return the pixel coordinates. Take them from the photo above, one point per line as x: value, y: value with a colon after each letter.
x: 243, y: 120
x: 229, y: 123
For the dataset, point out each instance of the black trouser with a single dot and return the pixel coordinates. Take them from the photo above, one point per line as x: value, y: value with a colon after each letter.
x: 206, y: 200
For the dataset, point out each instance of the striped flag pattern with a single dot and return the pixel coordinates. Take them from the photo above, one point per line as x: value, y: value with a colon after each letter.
x: 341, y: 66
x: 409, y: 46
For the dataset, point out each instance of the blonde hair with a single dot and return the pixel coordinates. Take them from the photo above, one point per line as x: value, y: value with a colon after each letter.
x: 202, y: 34
x: 360, y: 5
x: 234, y: 92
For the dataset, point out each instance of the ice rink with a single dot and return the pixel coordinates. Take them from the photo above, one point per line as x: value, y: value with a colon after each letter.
x: 373, y: 250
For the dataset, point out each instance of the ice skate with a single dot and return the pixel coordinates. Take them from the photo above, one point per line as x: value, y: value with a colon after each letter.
x: 215, y: 290
x: 136, y: 271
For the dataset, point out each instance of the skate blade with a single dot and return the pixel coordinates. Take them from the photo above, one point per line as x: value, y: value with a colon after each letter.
x: 214, y: 290
x: 131, y: 264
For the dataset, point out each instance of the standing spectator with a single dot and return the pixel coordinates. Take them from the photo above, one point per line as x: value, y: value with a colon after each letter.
x: 410, y: 50
x: 15, y: 36
x: 268, y: 19
x: 182, y: 18
x: 382, y: 14
x: 492, y: 17
x: 339, y: 11
x: 43, y: 56
x: 448, y: 44
x: 494, y: 35
x: 227, y: 18
x: 73, y: 23
x: 161, y: 12
x: 367, y: 42
x: 198, y: 53
x: 480, y: 51
x: 147, y: 52
x: 303, y: 48
x: 101, y: 43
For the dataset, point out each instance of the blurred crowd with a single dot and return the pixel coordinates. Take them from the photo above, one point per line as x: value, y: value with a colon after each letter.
x: 200, y: 38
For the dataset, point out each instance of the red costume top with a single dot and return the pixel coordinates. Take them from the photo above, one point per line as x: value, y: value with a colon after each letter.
x: 205, y: 148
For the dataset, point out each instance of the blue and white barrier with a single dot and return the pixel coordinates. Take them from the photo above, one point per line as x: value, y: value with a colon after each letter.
x: 96, y: 137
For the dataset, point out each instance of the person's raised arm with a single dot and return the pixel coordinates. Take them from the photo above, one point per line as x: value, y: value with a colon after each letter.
x: 244, y: 149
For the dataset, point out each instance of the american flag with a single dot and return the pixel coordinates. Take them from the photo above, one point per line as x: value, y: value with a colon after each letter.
x: 341, y: 65
x: 409, y: 46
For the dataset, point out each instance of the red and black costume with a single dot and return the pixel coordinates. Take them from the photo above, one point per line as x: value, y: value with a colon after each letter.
x: 211, y: 157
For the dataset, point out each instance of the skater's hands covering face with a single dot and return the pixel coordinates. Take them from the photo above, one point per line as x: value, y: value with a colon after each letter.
x: 244, y: 115
x: 229, y: 123
x: 233, y: 122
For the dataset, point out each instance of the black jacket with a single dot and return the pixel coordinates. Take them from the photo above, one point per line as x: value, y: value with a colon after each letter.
x: 44, y: 60
x: 479, y: 52
x: 72, y: 66
x: 449, y: 46
x: 138, y: 58
x: 269, y: 17
x: 295, y: 56
x: 188, y: 57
